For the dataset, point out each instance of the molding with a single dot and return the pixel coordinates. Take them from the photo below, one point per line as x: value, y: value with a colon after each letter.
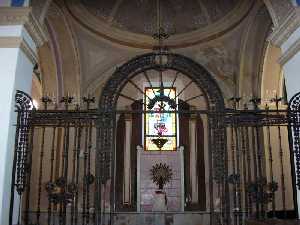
x: 35, y: 30
x: 18, y: 42
x: 284, y: 31
x: 10, y: 42
x: 290, y: 53
x: 24, y: 46
x: 23, y: 16
x: 13, y: 15
x: 272, y: 12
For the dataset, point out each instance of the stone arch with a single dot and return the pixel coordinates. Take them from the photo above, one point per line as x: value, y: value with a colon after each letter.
x: 107, y: 111
x: 278, y: 10
x: 253, y: 48
x: 174, y: 61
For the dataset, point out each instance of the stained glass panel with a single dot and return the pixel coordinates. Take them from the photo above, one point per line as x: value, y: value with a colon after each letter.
x: 160, y: 124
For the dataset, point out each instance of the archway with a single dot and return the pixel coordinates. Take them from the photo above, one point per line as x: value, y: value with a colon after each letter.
x: 241, y: 146
x: 106, y: 131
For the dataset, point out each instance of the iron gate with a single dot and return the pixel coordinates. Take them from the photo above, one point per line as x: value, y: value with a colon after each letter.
x: 58, y: 181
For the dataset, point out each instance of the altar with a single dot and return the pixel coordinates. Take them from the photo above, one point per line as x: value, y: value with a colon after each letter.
x: 146, y: 189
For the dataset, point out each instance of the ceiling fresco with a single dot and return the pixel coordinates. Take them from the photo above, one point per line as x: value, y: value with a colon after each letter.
x: 177, y: 16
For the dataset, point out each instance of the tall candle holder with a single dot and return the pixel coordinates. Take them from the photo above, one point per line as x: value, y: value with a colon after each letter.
x: 46, y: 100
x: 235, y: 101
x: 256, y: 102
x: 88, y: 101
x: 67, y: 100
x: 277, y: 100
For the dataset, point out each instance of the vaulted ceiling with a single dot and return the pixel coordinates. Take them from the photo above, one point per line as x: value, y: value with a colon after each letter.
x: 177, y: 16
x: 132, y: 23
x: 105, y: 34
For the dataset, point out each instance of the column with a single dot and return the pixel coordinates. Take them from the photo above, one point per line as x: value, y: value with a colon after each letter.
x: 193, y: 159
x: 19, y: 38
x: 287, y: 37
x: 127, y: 160
x: 181, y: 151
x: 139, y: 150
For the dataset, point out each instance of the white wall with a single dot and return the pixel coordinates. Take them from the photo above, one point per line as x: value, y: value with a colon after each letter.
x: 292, y: 67
x: 15, y: 73
x: 292, y: 75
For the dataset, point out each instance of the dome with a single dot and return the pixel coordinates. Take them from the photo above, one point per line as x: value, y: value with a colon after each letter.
x: 177, y: 16
x: 133, y: 22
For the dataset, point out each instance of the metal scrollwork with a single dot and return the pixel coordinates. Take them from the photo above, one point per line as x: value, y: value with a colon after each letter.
x: 23, y: 101
x: 237, y: 169
x: 23, y: 104
x: 139, y: 64
x: 261, y: 191
x: 58, y: 194
x: 294, y: 116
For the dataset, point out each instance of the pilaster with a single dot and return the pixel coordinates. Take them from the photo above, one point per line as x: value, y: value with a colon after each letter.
x: 287, y: 37
x: 20, y: 37
x: 127, y: 159
x: 193, y: 158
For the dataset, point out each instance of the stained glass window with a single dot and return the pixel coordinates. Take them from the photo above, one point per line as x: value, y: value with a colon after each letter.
x: 161, y: 122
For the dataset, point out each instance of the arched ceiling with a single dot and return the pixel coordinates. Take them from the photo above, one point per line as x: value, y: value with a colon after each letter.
x: 102, y: 46
x: 133, y: 22
x: 177, y: 16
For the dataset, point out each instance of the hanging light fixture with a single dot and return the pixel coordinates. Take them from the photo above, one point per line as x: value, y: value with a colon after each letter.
x: 160, y: 36
x: 161, y: 60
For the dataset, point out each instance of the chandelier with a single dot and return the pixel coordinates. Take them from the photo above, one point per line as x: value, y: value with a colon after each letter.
x: 161, y: 60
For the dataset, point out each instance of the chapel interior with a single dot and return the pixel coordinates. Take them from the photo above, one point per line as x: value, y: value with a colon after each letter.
x: 150, y: 112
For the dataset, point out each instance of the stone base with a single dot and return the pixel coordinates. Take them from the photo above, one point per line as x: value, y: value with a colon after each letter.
x: 273, y: 222
x: 150, y: 218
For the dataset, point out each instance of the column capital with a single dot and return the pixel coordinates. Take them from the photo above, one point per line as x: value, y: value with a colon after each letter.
x: 10, y: 16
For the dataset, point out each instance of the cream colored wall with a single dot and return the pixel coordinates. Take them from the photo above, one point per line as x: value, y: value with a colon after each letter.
x: 272, y: 86
x: 286, y: 180
x: 48, y: 70
x: 88, y: 61
x: 272, y: 74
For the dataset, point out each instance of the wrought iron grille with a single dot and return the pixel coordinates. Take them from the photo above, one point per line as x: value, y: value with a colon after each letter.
x: 62, y: 187
x: 294, y: 115
x: 64, y: 166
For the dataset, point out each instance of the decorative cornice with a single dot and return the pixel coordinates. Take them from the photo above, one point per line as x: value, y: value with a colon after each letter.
x: 23, y: 16
x: 18, y: 42
x: 10, y: 42
x: 13, y: 15
x: 289, y: 53
x: 284, y: 31
x: 35, y: 30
